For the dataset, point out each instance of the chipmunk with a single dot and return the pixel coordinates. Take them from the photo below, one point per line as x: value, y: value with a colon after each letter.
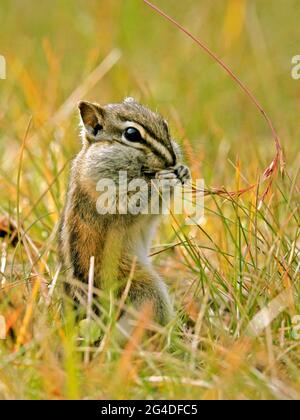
x: 118, y: 137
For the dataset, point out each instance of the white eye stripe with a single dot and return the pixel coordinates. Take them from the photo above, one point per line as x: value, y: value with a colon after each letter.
x: 133, y: 144
x: 154, y: 144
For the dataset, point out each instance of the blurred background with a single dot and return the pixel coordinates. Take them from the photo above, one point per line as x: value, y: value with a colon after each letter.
x: 60, y: 51
x: 52, y: 46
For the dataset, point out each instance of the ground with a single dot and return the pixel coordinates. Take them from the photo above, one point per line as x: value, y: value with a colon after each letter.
x: 235, y: 278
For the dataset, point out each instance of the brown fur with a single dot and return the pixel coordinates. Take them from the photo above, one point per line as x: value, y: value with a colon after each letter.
x: 114, y: 240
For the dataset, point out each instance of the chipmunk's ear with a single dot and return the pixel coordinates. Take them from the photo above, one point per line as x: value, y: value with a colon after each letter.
x: 92, y: 116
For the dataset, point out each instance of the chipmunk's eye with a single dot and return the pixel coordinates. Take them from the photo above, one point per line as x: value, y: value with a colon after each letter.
x: 133, y: 134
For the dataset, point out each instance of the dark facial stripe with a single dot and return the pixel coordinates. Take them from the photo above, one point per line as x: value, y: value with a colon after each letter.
x: 151, y: 146
x: 159, y: 154
x: 154, y: 136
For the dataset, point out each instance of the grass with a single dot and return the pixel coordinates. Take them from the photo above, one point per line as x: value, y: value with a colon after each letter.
x: 226, y: 274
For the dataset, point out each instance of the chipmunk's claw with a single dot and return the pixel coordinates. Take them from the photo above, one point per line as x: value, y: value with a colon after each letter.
x: 183, y: 173
x: 178, y: 174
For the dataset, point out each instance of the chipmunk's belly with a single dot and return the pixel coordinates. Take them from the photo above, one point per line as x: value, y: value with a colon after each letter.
x: 140, y: 237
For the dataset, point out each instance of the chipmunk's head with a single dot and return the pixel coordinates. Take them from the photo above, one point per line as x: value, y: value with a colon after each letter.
x: 131, y: 125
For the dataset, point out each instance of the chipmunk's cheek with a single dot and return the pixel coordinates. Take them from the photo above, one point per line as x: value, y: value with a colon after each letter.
x: 153, y: 162
x: 92, y: 166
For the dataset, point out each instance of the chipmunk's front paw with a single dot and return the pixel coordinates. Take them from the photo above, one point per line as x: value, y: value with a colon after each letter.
x: 168, y: 175
x: 179, y: 174
x: 183, y: 173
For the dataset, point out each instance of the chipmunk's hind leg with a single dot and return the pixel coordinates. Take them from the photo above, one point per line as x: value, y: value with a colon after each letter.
x: 155, y: 293
x: 151, y: 290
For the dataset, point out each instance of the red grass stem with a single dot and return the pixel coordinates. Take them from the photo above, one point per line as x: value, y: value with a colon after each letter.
x: 279, y: 158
